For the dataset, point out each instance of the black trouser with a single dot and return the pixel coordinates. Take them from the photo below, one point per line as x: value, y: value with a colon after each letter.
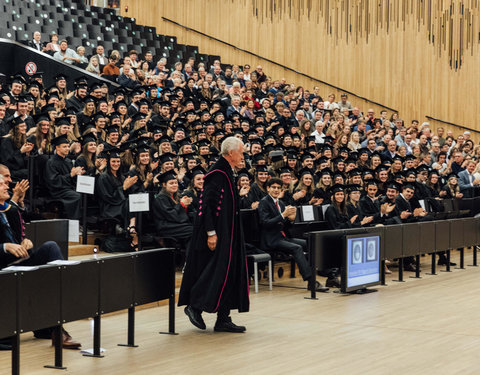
x: 47, y: 252
x: 296, y: 247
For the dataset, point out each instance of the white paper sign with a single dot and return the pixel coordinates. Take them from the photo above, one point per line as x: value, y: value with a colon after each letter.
x: 138, y: 202
x: 422, y: 203
x: 73, y: 230
x: 85, y: 184
x: 307, y: 213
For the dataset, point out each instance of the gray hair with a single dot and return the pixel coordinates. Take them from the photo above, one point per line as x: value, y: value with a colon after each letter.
x: 230, y: 144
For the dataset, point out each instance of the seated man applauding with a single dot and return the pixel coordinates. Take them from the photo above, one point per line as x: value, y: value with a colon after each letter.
x: 18, y: 250
x: 274, y: 216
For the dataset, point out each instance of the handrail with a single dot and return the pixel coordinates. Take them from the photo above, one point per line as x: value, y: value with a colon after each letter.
x: 451, y: 123
x: 278, y: 64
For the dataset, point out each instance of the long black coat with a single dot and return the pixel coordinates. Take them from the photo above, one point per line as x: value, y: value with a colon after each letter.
x: 217, y: 278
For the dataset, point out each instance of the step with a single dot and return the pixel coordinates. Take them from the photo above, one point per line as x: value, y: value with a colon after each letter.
x: 77, y: 249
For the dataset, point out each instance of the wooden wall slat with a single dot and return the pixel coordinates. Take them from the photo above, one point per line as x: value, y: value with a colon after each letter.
x: 407, y: 54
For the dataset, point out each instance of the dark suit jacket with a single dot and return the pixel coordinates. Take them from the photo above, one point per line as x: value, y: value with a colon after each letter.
x: 271, y: 222
x: 32, y: 44
x: 16, y: 224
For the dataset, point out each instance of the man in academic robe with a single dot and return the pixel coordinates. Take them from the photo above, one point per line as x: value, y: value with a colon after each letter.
x: 216, y: 278
x: 60, y: 177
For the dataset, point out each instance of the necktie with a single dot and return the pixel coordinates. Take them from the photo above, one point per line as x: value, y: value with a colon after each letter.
x: 278, y: 208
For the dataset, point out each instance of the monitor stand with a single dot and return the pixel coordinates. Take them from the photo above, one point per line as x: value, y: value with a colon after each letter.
x: 358, y: 291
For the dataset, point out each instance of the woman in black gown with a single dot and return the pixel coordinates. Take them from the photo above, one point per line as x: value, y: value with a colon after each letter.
x: 336, y: 214
x: 15, y: 150
x: 111, y: 188
x: 353, y: 208
x: 170, y: 213
x: 87, y: 158
x: 257, y: 190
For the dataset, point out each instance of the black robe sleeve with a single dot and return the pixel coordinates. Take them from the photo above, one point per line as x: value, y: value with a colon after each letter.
x: 335, y: 220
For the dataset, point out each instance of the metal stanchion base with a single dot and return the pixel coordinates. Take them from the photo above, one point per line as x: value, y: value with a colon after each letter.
x: 55, y: 367
x: 128, y: 345
x: 168, y: 333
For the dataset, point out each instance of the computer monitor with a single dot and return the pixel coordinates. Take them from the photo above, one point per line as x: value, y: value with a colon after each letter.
x: 361, y: 262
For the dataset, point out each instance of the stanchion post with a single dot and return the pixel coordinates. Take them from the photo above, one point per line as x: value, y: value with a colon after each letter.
x: 84, y: 218
x: 96, y: 338
x: 15, y: 341
x: 400, y: 270
x: 58, y: 340
x: 138, y: 224
x: 434, y: 265
x: 462, y: 258
x: 171, y: 303
x: 131, y: 329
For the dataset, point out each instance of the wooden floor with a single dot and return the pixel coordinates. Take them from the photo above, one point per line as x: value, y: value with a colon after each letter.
x: 422, y: 326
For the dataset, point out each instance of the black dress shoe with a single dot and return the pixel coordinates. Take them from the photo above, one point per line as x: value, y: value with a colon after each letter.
x: 195, y: 317
x: 333, y: 282
x: 228, y: 326
x: 410, y: 267
x: 318, y: 287
x: 5, y: 347
x: 445, y: 262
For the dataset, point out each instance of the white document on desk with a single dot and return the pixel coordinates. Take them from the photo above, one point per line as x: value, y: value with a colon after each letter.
x: 307, y: 213
x: 20, y: 268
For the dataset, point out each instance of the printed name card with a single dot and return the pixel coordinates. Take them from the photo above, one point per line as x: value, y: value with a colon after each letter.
x: 85, y: 184
x: 138, y: 202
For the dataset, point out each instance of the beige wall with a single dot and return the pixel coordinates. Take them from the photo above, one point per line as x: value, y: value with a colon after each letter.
x: 422, y: 58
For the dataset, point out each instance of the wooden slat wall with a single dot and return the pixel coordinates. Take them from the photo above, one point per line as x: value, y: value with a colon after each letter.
x: 419, y: 56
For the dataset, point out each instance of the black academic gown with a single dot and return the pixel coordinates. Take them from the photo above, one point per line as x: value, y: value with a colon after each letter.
x: 11, y: 156
x: 217, y: 279
x: 62, y: 186
x: 75, y: 103
x: 370, y: 208
x: 256, y: 194
x: 113, y: 202
x: 352, y: 211
x: 82, y: 162
x: 170, y: 218
x: 336, y: 220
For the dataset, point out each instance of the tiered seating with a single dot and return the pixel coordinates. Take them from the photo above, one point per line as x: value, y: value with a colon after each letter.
x: 90, y: 26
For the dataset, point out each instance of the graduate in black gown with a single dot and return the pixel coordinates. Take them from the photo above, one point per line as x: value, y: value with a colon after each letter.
x: 336, y: 214
x: 195, y: 188
x: 15, y: 150
x: 87, y: 159
x: 353, y: 207
x: 170, y: 212
x: 60, y: 176
x: 111, y: 188
x: 257, y: 190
